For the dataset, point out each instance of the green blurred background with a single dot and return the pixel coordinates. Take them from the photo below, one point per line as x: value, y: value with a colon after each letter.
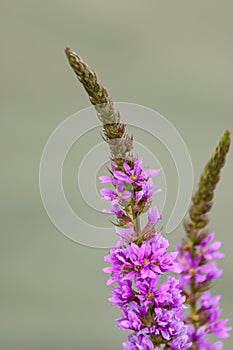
x: 173, y: 56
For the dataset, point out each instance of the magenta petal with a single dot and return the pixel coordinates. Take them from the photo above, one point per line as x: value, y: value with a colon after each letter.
x: 138, y: 166
x: 108, y: 194
x: 142, y: 252
x: 129, y: 276
x: 107, y: 269
x: 214, y: 246
x: 200, y: 278
x: 110, y: 281
x: 213, y: 255
x: 139, y: 195
x: 106, y: 191
x: 126, y: 195
x: 127, y: 169
x: 144, y: 273
x: 154, y: 216
x: 208, y: 239
x: 152, y: 172
x: 135, y: 248
x: 121, y: 176
x: 217, y: 346
x: 105, y: 179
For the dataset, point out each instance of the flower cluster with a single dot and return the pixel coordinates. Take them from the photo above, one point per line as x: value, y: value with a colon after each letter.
x: 148, y: 260
x: 209, y: 313
x: 197, y: 263
x: 198, y: 271
x: 153, y: 311
x: 133, y: 189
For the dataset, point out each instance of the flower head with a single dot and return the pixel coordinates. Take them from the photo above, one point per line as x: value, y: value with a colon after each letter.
x: 146, y: 261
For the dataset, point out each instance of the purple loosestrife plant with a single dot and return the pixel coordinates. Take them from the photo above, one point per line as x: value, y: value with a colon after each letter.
x: 197, y: 254
x: 151, y: 310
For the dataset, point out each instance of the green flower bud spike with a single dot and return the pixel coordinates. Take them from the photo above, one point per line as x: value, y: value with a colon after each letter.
x: 202, y: 198
x: 119, y: 141
x: 190, y: 253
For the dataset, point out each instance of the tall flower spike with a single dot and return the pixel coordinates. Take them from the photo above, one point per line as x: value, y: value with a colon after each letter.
x: 151, y: 311
x: 202, y: 199
x: 119, y: 141
x: 196, y: 254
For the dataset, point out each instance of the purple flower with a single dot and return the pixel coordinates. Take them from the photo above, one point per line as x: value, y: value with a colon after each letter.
x: 135, y: 176
x: 209, y: 252
x: 115, y: 209
x: 122, y: 293
x: 199, y: 268
x: 207, y: 272
x: 127, y: 234
x: 154, y: 216
x: 138, y: 342
x: 134, y: 313
x: 110, y: 195
x: 167, y: 296
x: 211, y: 312
x: 191, y: 267
x: 106, y: 179
x: 147, y: 190
x: 162, y: 322
x: 199, y: 337
x: 133, y: 188
x: 141, y: 262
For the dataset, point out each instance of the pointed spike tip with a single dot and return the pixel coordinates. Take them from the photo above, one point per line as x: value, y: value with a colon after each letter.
x: 67, y: 50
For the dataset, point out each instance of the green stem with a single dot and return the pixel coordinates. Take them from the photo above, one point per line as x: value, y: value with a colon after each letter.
x: 137, y: 227
x: 193, y: 300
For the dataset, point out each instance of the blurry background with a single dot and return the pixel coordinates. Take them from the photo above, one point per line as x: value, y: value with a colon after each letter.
x: 173, y: 56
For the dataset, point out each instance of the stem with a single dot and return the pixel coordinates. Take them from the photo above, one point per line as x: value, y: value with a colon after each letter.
x: 137, y: 227
x: 193, y: 301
